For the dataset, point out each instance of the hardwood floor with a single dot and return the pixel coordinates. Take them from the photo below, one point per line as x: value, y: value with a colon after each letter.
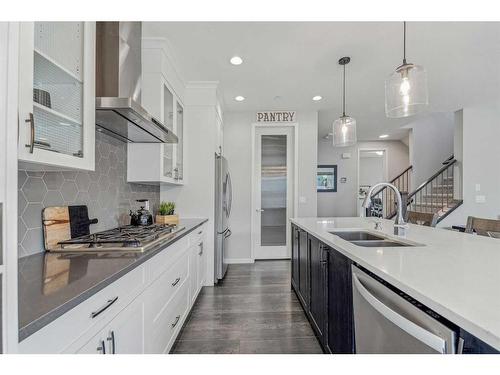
x: 253, y: 310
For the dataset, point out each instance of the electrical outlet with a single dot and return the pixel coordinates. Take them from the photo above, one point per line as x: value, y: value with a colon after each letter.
x: 480, y: 199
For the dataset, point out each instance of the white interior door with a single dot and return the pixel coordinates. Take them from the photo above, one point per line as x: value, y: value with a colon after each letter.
x: 272, y: 191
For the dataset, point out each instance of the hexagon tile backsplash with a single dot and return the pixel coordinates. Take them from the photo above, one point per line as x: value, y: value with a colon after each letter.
x: 105, y: 191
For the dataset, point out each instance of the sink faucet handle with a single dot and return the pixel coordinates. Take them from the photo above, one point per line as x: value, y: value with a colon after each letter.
x: 378, y: 224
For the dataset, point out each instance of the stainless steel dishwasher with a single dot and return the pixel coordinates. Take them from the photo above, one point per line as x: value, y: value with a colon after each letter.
x: 386, y: 322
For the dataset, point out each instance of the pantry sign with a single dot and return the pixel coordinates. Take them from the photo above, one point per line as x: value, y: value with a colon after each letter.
x: 276, y: 116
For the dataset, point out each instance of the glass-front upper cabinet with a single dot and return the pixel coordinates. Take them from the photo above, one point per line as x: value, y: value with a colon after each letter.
x: 158, y: 163
x: 57, y: 95
x: 179, y: 129
x: 168, y: 148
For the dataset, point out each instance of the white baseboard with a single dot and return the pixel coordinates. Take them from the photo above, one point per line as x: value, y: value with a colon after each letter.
x: 239, y: 260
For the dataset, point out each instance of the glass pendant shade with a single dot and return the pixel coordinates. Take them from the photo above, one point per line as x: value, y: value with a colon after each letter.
x: 344, y: 132
x: 406, y: 91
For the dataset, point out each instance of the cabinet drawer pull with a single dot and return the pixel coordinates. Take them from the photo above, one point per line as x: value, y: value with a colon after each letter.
x: 102, y: 348
x: 31, y: 121
x: 104, y: 308
x: 111, y: 338
x: 200, y: 232
x: 176, y: 321
x: 201, y: 248
x: 176, y: 281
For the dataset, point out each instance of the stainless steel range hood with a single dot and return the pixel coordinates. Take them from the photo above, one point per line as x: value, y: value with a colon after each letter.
x: 118, y: 86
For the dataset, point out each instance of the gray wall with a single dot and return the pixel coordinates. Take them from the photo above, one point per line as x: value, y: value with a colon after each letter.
x: 371, y: 170
x: 431, y: 143
x: 105, y: 191
x: 238, y: 151
x: 480, y: 164
x: 344, y: 201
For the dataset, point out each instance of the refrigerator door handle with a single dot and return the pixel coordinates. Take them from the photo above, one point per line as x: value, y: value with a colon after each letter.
x: 229, y: 192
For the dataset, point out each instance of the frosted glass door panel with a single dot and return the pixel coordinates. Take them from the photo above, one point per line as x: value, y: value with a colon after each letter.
x: 58, y: 87
x: 273, y: 190
x: 168, y: 120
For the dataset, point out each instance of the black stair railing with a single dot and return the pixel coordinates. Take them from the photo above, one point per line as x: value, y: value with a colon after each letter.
x: 384, y: 199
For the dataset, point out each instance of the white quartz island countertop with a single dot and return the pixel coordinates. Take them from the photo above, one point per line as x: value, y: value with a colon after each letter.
x: 455, y: 274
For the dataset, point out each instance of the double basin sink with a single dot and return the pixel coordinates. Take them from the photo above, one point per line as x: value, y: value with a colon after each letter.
x: 368, y: 239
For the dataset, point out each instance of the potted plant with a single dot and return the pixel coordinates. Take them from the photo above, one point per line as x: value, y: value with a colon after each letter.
x: 166, y: 214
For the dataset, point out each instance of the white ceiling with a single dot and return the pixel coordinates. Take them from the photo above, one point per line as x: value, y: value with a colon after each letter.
x: 297, y: 60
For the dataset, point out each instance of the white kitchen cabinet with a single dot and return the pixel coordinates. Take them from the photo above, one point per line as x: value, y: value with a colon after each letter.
x: 57, y: 95
x: 159, y: 163
x: 123, y: 335
x: 202, y: 263
x: 141, y: 312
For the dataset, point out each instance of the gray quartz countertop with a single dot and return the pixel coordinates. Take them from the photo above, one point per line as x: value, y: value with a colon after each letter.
x: 41, y: 302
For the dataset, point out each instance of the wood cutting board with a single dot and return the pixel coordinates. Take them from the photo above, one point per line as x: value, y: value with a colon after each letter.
x: 61, y: 223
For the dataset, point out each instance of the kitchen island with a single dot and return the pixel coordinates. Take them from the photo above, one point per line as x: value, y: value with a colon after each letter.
x: 456, y: 275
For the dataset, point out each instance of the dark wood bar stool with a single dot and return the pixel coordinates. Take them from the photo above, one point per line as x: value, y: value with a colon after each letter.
x: 427, y: 219
x: 483, y: 227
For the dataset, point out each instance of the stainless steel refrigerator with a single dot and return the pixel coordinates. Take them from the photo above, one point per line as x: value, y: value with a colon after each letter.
x: 223, y: 199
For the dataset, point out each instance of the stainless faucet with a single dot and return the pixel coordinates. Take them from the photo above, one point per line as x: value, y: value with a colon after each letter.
x: 400, y: 225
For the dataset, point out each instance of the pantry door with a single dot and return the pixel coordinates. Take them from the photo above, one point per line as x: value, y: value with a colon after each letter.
x: 273, y: 191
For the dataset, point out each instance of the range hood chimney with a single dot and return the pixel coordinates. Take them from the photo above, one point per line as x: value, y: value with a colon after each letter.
x: 118, y: 86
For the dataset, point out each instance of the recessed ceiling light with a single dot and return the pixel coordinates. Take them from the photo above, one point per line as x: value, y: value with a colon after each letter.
x: 236, y: 60
x: 317, y: 98
x: 239, y: 98
x: 383, y: 136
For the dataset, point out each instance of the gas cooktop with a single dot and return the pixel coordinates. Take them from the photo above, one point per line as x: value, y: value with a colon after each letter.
x: 127, y: 238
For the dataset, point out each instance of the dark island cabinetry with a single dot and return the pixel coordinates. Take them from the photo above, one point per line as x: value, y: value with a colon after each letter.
x: 321, y: 278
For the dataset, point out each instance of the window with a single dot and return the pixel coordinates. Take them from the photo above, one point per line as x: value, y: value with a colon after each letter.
x: 326, y: 179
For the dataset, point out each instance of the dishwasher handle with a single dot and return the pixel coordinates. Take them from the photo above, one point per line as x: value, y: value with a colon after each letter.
x: 435, y: 342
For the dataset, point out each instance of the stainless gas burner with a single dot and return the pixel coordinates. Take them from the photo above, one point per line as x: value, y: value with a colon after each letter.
x: 127, y: 238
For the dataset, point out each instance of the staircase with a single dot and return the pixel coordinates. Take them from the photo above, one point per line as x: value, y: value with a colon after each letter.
x: 435, y: 195
x: 384, y: 199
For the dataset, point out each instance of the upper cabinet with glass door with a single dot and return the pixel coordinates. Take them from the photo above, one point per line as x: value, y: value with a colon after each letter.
x: 158, y: 163
x: 57, y: 95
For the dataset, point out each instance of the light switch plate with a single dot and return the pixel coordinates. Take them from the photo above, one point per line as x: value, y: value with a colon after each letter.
x: 480, y: 199
x: 478, y: 187
x: 302, y: 200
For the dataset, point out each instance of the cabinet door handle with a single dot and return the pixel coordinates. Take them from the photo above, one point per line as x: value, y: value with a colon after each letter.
x: 104, y: 308
x: 111, y: 338
x: 102, y: 347
x: 176, y: 281
x: 177, y: 318
x: 200, y: 232
x: 201, y: 248
x: 31, y: 121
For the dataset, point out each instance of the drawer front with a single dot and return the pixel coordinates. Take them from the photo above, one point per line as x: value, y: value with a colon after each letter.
x: 86, y: 319
x: 160, y: 332
x: 197, y: 234
x: 163, y: 289
x: 162, y: 261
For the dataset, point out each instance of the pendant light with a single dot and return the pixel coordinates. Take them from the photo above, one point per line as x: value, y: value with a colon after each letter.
x: 406, y: 88
x: 344, y: 128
